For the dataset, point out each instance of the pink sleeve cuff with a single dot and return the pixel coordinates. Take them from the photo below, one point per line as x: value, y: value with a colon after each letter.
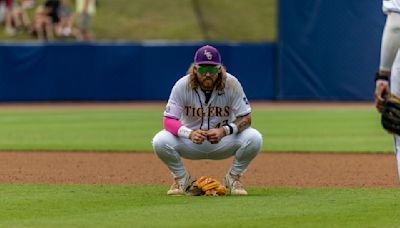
x: 172, y: 125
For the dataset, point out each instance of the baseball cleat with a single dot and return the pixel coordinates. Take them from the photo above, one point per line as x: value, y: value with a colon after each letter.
x: 179, y: 186
x: 234, y: 185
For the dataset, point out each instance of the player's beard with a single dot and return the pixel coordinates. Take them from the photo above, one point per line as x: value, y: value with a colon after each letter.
x: 207, y: 84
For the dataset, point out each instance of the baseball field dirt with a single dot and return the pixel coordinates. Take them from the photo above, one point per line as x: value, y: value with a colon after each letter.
x: 267, y: 170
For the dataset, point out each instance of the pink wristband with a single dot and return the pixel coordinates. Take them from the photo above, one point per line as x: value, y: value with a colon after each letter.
x: 172, y: 125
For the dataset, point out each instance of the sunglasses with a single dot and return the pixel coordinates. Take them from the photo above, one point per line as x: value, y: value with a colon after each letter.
x: 207, y: 69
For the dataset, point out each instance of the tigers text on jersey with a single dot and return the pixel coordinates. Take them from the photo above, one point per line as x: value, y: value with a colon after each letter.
x: 391, y: 6
x: 189, y: 107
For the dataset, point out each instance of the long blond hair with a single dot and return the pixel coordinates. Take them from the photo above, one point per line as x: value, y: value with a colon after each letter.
x: 219, y: 83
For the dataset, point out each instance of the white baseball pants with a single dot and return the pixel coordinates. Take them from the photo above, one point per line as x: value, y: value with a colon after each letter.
x: 395, y: 89
x: 244, y: 146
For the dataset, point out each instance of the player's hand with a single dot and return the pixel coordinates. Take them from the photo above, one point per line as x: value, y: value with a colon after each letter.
x: 198, y: 136
x: 215, y: 135
x: 382, y: 88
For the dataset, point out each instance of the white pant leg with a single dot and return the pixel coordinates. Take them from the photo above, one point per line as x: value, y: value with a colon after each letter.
x: 250, y: 145
x: 396, y: 140
x: 395, y: 89
x: 164, y: 144
x: 395, y: 76
x: 244, y: 146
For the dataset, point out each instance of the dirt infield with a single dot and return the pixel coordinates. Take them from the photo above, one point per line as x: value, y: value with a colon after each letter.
x: 267, y: 170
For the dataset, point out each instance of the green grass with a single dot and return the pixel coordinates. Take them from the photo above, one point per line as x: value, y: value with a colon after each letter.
x: 175, y: 20
x: 289, y: 129
x: 330, y: 130
x: 79, y: 130
x: 148, y: 206
x: 334, y: 130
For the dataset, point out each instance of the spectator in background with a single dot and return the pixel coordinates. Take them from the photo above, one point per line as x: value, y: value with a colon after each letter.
x: 65, y: 26
x: 27, y: 4
x: 42, y: 27
x: 52, y: 7
x: 8, y: 17
x: 85, y: 10
x: 2, y: 11
x: 20, y: 18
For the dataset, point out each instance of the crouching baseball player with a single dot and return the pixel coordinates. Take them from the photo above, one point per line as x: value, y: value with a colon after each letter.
x: 207, y: 117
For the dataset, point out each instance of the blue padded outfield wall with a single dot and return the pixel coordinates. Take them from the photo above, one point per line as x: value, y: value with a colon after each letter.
x: 121, y: 71
x: 328, y: 49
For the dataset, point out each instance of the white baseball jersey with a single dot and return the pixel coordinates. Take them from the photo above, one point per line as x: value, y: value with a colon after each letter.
x: 189, y: 107
x: 391, y: 6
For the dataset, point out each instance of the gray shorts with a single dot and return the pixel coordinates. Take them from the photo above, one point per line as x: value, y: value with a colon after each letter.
x: 83, y: 21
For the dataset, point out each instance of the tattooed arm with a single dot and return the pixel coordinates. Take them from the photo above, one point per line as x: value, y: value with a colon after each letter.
x: 243, y: 122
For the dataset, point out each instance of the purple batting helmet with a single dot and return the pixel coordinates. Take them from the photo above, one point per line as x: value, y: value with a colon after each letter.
x: 207, y: 55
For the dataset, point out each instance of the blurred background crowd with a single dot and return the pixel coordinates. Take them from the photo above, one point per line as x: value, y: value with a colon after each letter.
x: 140, y: 20
x: 48, y: 20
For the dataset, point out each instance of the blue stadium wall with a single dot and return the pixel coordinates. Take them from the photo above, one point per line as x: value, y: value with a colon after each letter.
x: 326, y: 50
x: 121, y: 71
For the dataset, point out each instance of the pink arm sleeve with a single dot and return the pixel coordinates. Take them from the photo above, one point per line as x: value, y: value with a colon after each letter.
x: 172, y: 125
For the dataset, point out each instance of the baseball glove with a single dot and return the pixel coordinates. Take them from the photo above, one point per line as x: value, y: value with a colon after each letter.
x: 205, y: 186
x: 390, y: 118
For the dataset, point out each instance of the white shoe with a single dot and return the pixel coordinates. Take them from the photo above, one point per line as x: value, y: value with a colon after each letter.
x: 66, y: 31
x: 179, y: 186
x: 10, y: 31
x: 234, y: 185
